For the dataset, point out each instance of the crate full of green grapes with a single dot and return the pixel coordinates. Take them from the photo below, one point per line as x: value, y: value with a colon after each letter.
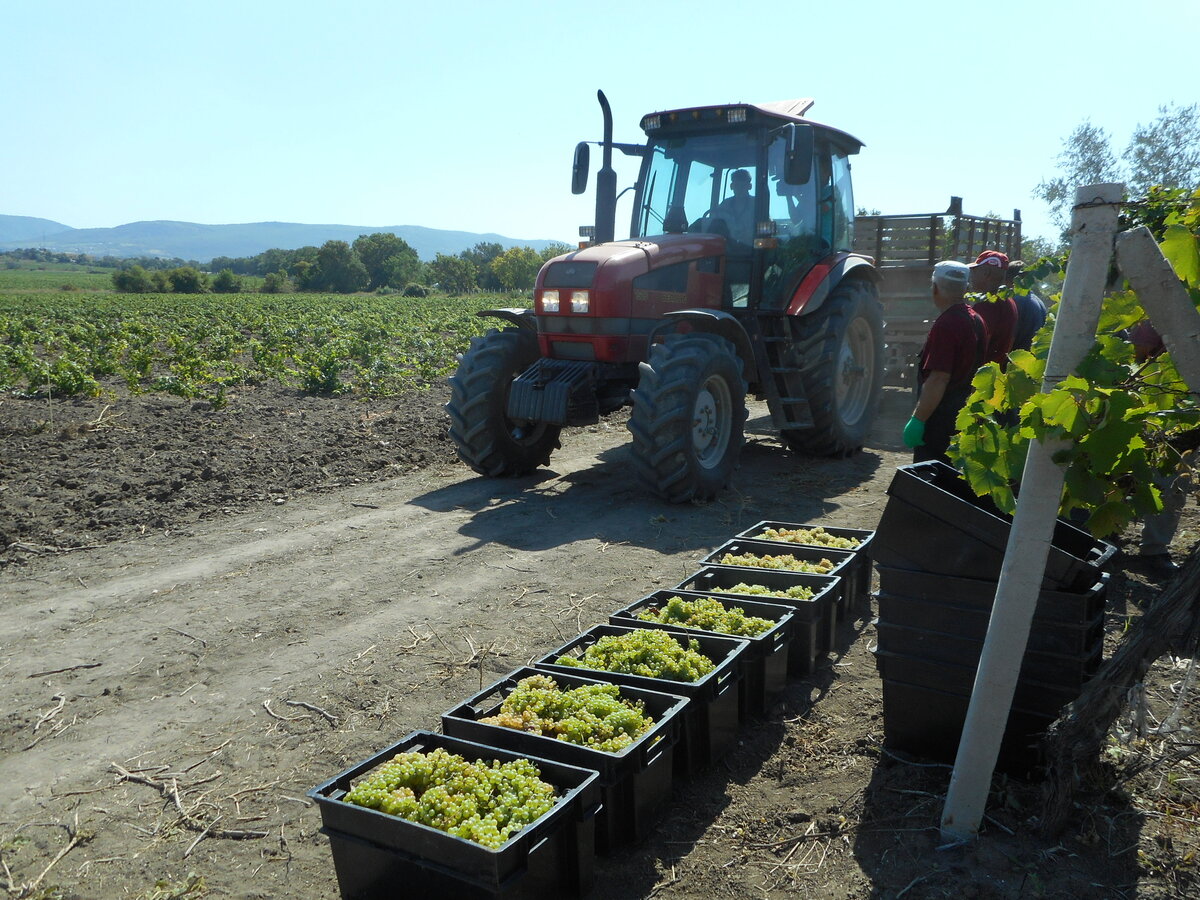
x: 813, y: 597
x: 767, y: 626
x: 437, y: 816
x: 627, y: 734
x: 831, y: 537
x: 706, y: 669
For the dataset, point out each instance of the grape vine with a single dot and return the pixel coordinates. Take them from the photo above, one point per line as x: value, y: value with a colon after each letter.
x: 1126, y: 422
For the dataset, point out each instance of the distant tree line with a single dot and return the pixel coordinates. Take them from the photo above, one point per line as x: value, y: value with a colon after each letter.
x: 41, y: 255
x: 385, y: 263
x: 381, y: 262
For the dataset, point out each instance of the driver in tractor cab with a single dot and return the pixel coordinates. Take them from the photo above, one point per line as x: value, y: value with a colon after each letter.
x: 737, y: 210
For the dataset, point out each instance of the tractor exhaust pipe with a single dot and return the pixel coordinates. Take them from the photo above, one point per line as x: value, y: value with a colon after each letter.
x: 606, y: 181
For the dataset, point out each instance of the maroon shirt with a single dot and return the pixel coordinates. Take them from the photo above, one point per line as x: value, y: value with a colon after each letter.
x: 1000, y: 316
x: 952, y: 345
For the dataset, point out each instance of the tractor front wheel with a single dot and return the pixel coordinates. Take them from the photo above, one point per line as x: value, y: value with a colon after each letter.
x: 689, y: 409
x: 486, y: 439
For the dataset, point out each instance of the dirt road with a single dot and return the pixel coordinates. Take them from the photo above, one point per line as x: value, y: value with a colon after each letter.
x: 169, y: 700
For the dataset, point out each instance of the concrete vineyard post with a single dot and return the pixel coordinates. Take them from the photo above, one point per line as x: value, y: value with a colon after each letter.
x: 1093, y: 226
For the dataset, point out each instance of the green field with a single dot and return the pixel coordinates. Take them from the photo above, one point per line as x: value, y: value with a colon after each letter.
x: 74, y: 343
x: 26, y: 275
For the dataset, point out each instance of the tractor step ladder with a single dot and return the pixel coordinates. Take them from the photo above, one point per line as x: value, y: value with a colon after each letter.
x: 780, y: 375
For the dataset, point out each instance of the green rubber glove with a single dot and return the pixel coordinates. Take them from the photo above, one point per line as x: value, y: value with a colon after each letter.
x: 914, y: 433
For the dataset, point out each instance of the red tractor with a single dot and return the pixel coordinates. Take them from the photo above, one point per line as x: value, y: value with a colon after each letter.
x: 739, y: 276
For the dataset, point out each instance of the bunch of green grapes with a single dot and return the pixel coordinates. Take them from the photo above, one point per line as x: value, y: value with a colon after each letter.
x: 644, y: 651
x: 478, y: 801
x: 593, y: 715
x: 816, y: 536
x: 708, y: 614
x: 796, y: 592
x: 783, y: 561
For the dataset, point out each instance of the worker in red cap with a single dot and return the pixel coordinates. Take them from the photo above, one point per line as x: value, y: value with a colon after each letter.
x: 998, y: 309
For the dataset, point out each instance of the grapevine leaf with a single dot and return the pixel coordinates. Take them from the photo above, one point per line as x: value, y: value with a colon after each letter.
x: 1084, y: 487
x: 1062, y: 408
x: 1108, y: 518
x: 1180, y: 248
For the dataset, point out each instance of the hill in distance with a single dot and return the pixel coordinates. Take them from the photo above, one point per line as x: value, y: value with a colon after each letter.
x: 188, y: 240
x: 28, y: 228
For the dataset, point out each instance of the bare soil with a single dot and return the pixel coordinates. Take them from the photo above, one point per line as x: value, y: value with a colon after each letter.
x: 207, y: 612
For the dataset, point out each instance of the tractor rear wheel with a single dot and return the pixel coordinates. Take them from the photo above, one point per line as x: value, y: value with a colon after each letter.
x: 689, y: 409
x: 844, y: 341
x: 485, y: 438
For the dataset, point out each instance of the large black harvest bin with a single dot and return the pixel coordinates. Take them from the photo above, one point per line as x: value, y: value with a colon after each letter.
x: 712, y: 719
x: 933, y: 522
x: 380, y: 857
x: 634, y: 782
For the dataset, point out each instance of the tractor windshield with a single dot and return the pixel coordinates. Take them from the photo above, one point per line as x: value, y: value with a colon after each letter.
x: 692, y: 184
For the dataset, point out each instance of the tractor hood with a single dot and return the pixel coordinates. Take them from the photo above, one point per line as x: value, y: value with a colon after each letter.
x: 604, y: 266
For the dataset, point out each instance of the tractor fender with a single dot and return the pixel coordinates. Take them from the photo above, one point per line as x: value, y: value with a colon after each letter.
x: 522, y: 318
x: 712, y: 321
x: 825, y: 276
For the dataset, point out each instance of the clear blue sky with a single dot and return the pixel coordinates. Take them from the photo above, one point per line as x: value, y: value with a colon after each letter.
x: 464, y: 115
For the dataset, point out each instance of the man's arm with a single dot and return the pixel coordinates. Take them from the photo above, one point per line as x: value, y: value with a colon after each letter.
x: 932, y: 392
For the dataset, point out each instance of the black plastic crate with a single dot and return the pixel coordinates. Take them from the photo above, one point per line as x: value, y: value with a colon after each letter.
x: 765, y: 661
x: 928, y: 722
x: 1070, y: 672
x: 933, y: 522
x: 634, y: 782
x: 857, y: 595
x: 1037, y: 697
x: 712, y: 719
x: 377, y: 855
x: 1045, y: 635
x: 815, y: 620
x: 1071, y: 608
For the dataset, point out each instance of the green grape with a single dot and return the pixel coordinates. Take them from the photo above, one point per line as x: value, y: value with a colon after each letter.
x: 816, y: 536
x: 593, y: 715
x: 783, y: 561
x: 796, y: 592
x: 647, y: 652
x: 708, y: 614
x: 480, y: 801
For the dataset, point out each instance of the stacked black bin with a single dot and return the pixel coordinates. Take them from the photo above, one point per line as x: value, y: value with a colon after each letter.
x: 938, y: 550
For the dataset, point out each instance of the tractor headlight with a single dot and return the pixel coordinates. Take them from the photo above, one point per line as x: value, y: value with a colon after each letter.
x: 579, y: 301
x: 549, y: 301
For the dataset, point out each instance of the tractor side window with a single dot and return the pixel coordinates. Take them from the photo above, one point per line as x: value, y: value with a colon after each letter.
x: 843, y: 205
x: 793, y: 209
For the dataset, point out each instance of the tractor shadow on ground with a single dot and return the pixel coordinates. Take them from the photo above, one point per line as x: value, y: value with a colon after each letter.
x: 601, y: 501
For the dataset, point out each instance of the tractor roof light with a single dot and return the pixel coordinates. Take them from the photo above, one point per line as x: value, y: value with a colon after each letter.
x: 652, y: 123
x: 587, y: 231
x: 737, y: 115
x: 766, y: 228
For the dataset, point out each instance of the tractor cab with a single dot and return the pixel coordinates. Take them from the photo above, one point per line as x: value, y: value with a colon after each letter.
x: 776, y: 186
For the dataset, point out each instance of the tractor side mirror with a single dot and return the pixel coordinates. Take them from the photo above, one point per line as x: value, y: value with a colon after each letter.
x: 798, y: 156
x: 579, y: 170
